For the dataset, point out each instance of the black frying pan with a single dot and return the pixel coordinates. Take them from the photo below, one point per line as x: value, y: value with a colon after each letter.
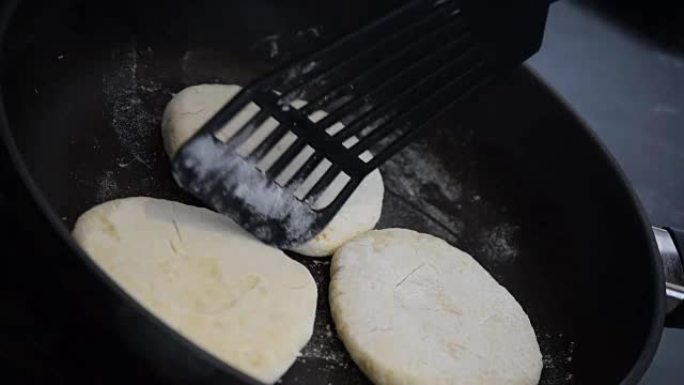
x: 514, y: 178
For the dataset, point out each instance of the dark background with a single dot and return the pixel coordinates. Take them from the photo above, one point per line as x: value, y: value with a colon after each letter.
x: 620, y: 65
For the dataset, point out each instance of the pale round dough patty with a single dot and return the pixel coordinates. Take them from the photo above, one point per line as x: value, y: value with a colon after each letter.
x: 244, y: 302
x: 412, y: 309
x: 192, y: 107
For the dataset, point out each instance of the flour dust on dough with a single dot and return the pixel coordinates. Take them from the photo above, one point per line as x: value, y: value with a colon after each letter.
x: 413, y: 310
x: 244, y: 302
x: 193, y: 106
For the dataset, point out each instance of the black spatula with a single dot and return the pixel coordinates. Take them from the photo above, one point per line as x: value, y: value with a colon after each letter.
x: 282, y: 171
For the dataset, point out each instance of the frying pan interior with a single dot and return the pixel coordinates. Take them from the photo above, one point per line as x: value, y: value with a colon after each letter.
x: 513, y: 177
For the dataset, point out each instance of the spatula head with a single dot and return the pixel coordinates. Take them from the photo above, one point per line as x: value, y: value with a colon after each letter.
x: 282, y: 168
x: 236, y: 187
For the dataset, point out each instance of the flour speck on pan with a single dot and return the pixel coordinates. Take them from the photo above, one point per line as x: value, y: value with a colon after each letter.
x: 324, y: 346
x: 558, y: 355
x: 498, y: 244
x: 133, y: 124
x: 418, y: 176
x: 107, y: 187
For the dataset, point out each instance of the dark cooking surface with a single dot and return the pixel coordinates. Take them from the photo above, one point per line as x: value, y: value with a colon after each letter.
x: 473, y: 188
x: 626, y: 79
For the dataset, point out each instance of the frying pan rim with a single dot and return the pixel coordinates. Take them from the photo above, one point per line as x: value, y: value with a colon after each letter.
x: 643, y: 361
x: 55, y: 222
x: 636, y: 372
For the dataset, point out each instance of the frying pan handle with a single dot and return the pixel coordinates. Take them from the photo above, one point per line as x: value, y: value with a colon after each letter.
x: 671, y: 246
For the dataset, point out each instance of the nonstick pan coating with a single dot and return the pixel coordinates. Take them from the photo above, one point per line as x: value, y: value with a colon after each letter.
x: 512, y: 178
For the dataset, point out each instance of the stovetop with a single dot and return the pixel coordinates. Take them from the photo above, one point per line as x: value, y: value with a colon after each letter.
x: 621, y: 67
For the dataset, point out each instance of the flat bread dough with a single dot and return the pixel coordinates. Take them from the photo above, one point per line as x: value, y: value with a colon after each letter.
x: 246, y: 303
x: 193, y: 106
x: 413, y: 310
